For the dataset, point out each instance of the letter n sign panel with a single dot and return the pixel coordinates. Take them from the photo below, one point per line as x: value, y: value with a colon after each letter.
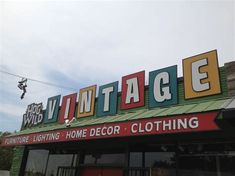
x: 86, y: 101
x: 53, y: 104
x: 201, y: 75
x: 163, y: 87
x: 133, y: 90
x: 67, y: 107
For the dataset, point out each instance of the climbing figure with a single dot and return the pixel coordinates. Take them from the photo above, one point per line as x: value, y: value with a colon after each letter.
x: 22, y: 86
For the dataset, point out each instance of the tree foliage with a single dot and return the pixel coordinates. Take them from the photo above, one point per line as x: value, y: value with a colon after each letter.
x: 6, y: 154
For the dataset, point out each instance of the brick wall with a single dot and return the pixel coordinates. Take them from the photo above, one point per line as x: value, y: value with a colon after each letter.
x: 230, y: 76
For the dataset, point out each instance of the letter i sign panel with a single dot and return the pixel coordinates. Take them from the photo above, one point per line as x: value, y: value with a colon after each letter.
x: 201, y: 75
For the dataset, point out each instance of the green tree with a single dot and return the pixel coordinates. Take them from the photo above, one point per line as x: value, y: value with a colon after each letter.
x: 6, y: 154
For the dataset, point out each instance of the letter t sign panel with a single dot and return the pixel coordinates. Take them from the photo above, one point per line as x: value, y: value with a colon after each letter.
x: 201, y: 75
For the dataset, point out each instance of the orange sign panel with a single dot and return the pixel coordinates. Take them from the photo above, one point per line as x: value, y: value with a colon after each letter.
x: 201, y: 75
x: 86, y: 101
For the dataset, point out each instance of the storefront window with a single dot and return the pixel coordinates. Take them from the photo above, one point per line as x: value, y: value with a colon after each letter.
x: 36, y: 163
x: 226, y: 164
x: 204, y: 165
x: 161, y: 163
x: 58, y: 160
x: 116, y: 159
x: 90, y: 159
x: 136, y: 159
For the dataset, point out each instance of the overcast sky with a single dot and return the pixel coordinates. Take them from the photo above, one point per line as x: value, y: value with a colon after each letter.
x: 81, y: 43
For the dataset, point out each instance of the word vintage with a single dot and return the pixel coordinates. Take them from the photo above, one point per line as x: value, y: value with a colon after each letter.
x: 201, y: 78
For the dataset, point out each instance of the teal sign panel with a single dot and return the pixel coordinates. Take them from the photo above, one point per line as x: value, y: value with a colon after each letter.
x: 163, y: 87
x: 107, y: 99
x: 52, y: 110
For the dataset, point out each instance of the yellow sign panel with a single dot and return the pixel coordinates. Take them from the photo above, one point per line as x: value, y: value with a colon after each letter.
x: 86, y: 102
x: 201, y: 75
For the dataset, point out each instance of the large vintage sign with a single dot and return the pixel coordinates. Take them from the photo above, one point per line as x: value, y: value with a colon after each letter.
x: 201, y: 78
x: 151, y: 126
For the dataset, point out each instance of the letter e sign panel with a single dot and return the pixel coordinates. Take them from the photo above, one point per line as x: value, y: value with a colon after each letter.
x: 201, y: 75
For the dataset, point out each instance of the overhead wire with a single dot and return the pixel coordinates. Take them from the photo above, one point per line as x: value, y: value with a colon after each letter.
x: 39, y: 81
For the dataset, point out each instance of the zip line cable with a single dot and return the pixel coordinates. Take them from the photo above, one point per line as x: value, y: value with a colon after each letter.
x: 35, y: 80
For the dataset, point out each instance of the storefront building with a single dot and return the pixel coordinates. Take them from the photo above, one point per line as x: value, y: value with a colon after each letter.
x: 170, y: 127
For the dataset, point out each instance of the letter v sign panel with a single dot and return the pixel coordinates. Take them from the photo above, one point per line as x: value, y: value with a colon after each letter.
x: 52, y: 110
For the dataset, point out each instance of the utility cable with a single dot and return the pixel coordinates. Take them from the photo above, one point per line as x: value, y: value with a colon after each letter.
x: 42, y: 82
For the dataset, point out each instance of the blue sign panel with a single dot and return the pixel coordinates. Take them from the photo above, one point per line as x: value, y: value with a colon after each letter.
x: 163, y: 87
x: 107, y: 101
x: 52, y: 109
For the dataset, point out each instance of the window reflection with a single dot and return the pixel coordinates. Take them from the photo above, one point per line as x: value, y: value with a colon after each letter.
x: 58, y: 160
x: 36, y: 163
x: 207, y: 164
x: 161, y: 163
x: 227, y: 164
x: 203, y: 165
x: 105, y: 159
x: 117, y: 158
x: 89, y: 159
x: 192, y: 161
x: 136, y: 159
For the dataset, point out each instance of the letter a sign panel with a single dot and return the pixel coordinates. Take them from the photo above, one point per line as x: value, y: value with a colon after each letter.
x: 201, y: 75
x: 133, y: 90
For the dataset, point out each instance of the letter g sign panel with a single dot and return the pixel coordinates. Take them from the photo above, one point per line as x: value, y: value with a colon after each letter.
x: 163, y: 87
x: 201, y: 75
